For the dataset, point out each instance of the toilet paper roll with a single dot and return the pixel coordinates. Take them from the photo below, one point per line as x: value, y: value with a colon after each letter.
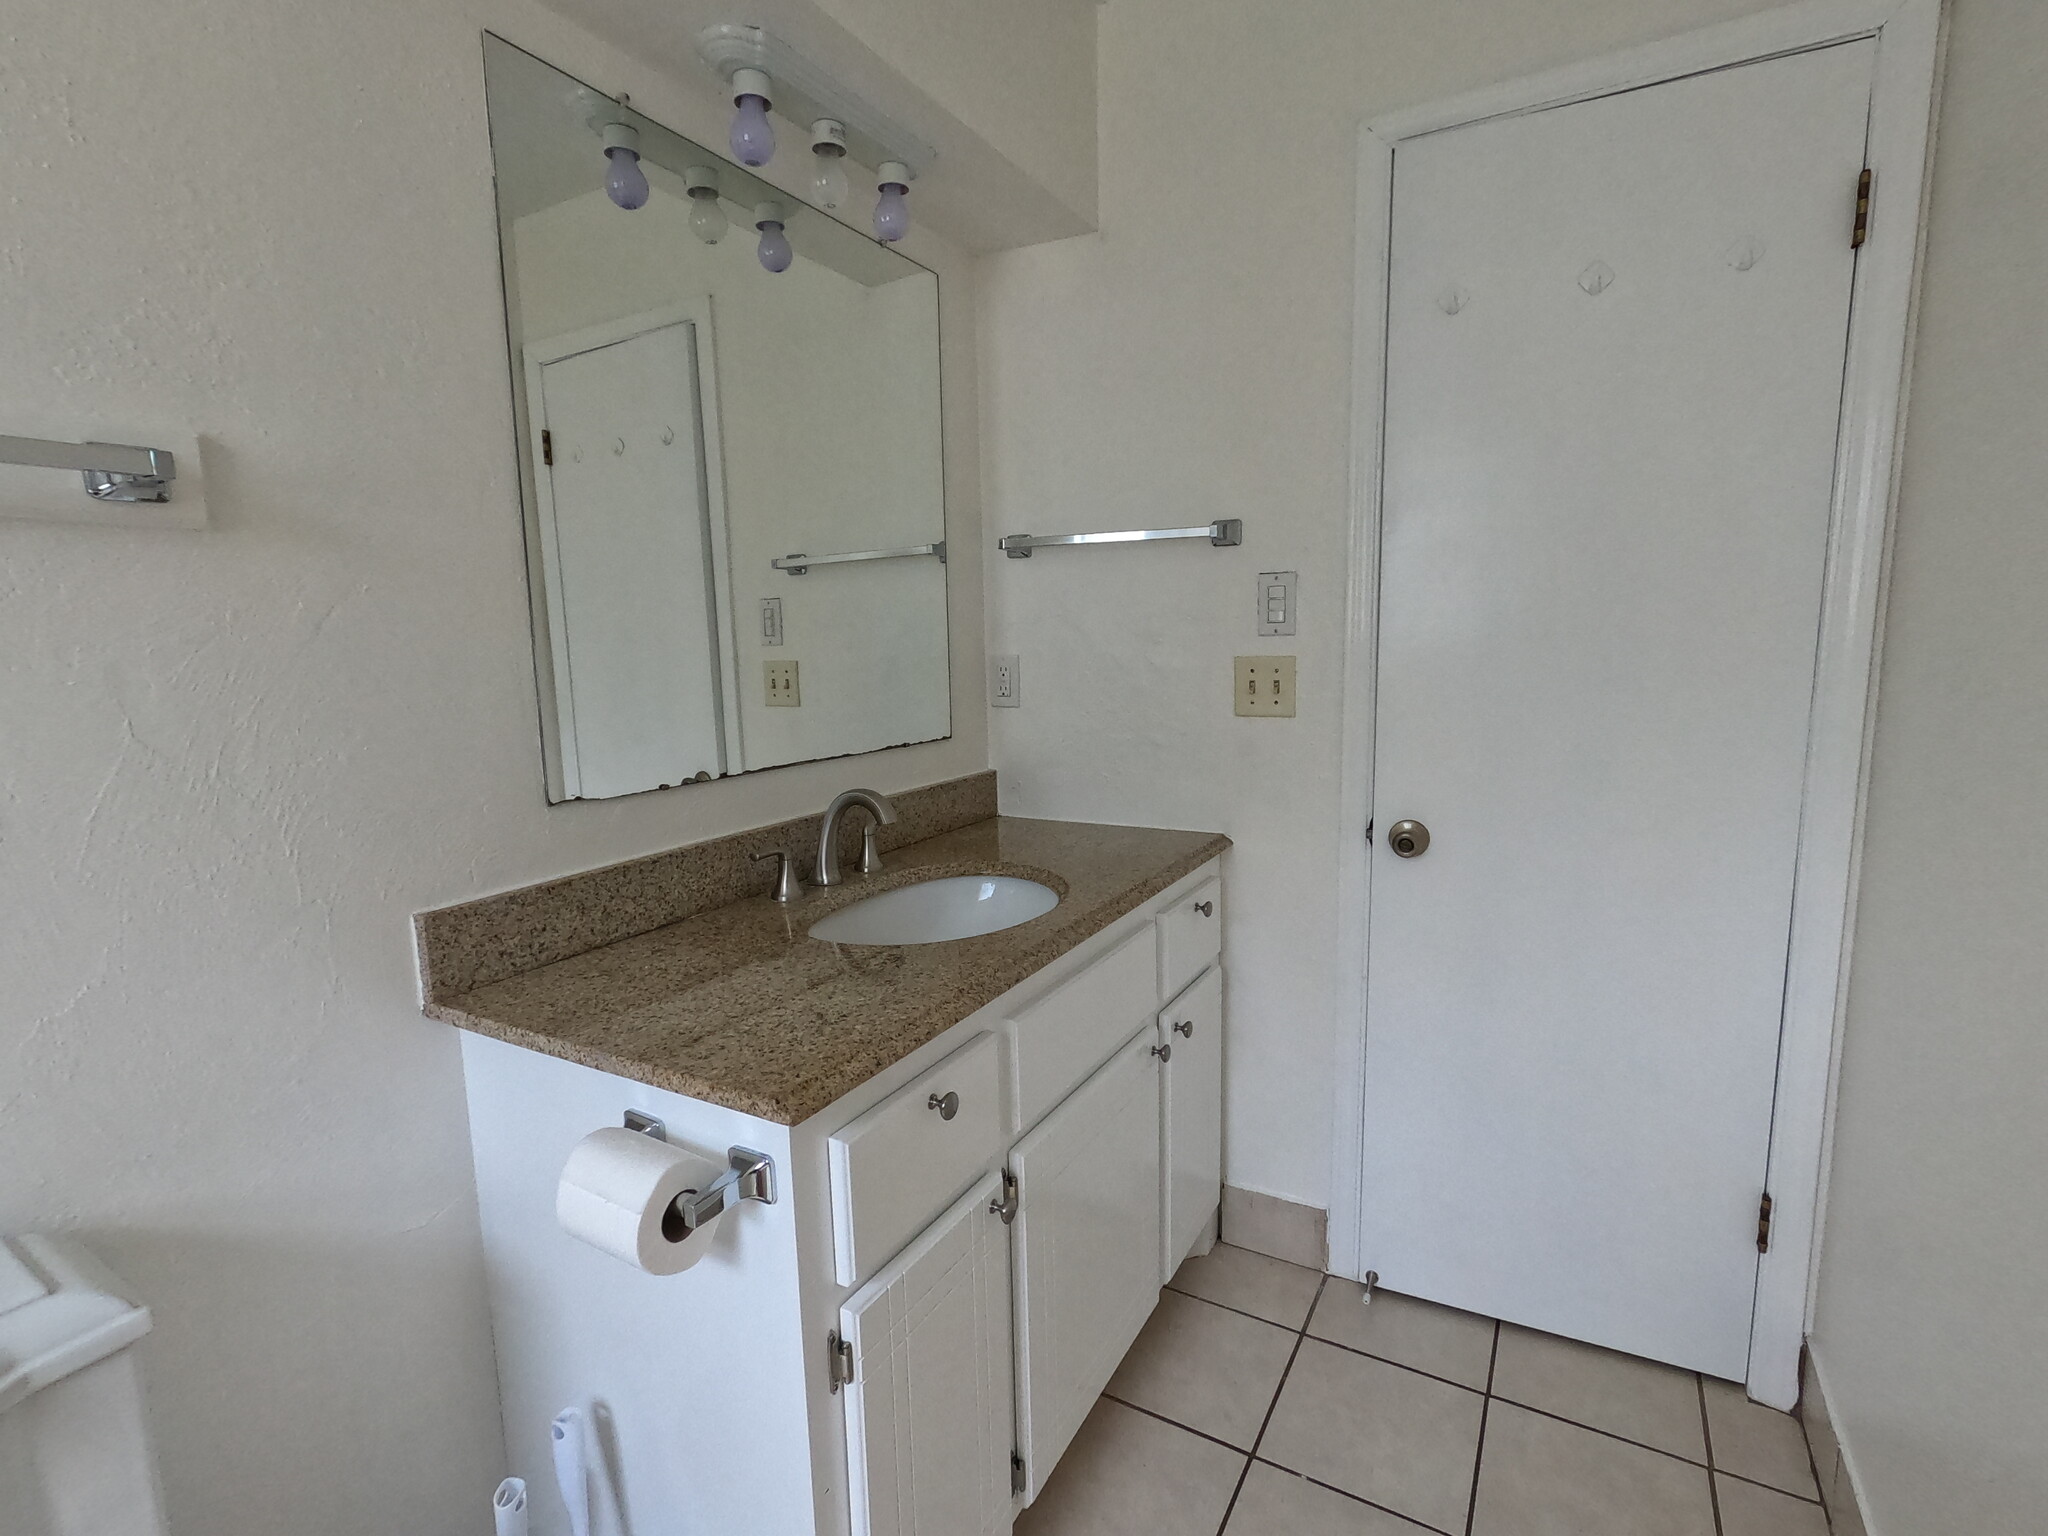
x: 615, y: 1195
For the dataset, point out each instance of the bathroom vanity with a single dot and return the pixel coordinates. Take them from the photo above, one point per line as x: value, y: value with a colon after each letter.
x: 988, y: 1155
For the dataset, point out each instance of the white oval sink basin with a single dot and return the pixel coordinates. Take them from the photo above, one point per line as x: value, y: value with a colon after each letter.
x: 956, y: 908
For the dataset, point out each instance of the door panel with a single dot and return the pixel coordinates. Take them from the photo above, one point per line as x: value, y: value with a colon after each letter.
x: 630, y: 566
x: 1192, y: 1118
x: 930, y: 1411
x: 1616, y: 335
x: 1087, y: 1247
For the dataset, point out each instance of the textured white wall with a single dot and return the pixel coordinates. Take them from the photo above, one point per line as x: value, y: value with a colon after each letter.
x: 233, y: 762
x: 1930, y: 1330
x: 1193, y: 361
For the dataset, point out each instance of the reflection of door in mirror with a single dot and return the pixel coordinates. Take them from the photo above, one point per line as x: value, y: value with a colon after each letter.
x: 625, y: 514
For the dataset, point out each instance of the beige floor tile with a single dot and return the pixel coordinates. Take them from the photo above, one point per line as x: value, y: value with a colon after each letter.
x: 1440, y: 1340
x: 1747, y: 1510
x: 1277, y: 1503
x: 1128, y: 1474
x: 1400, y: 1439
x: 1236, y: 1277
x: 1540, y: 1477
x: 1758, y: 1443
x: 1206, y: 1367
x: 1654, y: 1405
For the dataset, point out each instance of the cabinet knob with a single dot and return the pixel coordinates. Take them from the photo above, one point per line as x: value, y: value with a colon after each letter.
x: 947, y: 1104
x: 1163, y: 1052
x: 1206, y: 908
x: 1184, y: 1027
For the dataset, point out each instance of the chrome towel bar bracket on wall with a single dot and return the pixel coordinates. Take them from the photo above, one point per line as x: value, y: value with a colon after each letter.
x: 112, y: 471
x: 797, y: 565
x: 1225, y: 533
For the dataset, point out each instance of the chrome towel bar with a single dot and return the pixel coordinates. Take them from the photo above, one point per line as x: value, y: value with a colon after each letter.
x: 112, y: 471
x: 797, y: 565
x: 1224, y: 533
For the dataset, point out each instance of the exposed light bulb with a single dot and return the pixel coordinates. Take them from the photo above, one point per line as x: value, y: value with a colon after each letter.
x: 707, y: 214
x: 752, y: 137
x: 774, y: 249
x: 829, y: 188
x: 892, y: 208
x: 624, y: 182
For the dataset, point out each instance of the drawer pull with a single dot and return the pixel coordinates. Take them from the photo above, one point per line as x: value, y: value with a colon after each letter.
x: 1184, y: 1027
x: 1005, y: 1205
x: 1163, y: 1052
x: 1206, y: 908
x: 947, y: 1104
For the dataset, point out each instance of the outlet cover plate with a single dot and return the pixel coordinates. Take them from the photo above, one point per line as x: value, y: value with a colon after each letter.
x: 1264, y: 686
x: 1005, y: 683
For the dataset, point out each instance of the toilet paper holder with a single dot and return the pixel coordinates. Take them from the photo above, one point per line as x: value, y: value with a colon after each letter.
x: 748, y: 1175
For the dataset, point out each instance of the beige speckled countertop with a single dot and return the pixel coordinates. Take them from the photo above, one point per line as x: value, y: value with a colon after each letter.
x: 739, y: 1006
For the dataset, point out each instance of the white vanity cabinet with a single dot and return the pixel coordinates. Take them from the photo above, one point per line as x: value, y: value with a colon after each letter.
x: 1190, y: 1044
x: 958, y: 1255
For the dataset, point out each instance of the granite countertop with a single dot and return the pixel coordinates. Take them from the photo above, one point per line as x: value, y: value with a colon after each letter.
x: 741, y: 1007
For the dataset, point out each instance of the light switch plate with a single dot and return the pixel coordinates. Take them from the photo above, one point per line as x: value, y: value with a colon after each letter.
x: 771, y: 621
x: 1264, y: 686
x: 1005, y: 683
x: 783, y: 692
x: 1276, y: 601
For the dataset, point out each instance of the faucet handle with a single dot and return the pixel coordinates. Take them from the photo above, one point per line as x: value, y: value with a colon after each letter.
x: 870, y: 855
x: 786, y: 887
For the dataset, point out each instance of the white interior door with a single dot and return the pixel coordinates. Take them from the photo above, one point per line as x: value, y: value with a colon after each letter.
x: 626, y: 526
x: 929, y: 1412
x: 1615, y: 347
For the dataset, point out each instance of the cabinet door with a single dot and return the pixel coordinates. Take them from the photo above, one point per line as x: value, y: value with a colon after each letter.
x: 930, y: 1409
x: 1087, y: 1245
x: 1191, y: 1122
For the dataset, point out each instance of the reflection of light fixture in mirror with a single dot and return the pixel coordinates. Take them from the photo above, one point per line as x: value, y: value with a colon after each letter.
x: 707, y: 214
x: 774, y: 250
x: 892, y: 209
x: 828, y: 163
x: 625, y: 182
x: 752, y: 137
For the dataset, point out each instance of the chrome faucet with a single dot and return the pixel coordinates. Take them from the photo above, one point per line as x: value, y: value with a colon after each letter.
x: 827, y: 871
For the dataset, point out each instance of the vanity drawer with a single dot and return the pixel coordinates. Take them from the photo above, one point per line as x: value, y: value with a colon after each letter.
x: 902, y: 1162
x: 1058, y: 1041
x: 1190, y: 936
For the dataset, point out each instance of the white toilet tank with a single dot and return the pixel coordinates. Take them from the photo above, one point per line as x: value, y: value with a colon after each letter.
x: 75, y: 1457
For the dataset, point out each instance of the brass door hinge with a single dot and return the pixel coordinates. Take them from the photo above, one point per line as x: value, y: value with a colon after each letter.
x: 839, y: 1354
x: 547, y: 446
x: 1763, y: 1224
x: 1860, y: 231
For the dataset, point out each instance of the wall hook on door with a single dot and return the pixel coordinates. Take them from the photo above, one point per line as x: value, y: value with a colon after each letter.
x: 1597, y: 278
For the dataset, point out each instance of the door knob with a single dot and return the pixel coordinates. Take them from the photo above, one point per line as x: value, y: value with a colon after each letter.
x: 947, y: 1104
x: 1408, y: 839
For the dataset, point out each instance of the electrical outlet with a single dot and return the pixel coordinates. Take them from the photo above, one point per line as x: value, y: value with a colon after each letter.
x: 1005, y: 682
x: 1264, y: 686
x: 783, y: 692
x: 771, y: 621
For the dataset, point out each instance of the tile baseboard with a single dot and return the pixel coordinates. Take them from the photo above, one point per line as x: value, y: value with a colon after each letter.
x: 1278, y: 1228
x: 1830, y: 1465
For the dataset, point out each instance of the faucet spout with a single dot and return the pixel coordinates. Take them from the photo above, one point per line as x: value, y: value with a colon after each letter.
x: 877, y: 805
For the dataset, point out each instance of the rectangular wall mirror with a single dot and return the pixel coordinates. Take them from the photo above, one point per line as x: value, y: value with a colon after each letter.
x: 731, y: 476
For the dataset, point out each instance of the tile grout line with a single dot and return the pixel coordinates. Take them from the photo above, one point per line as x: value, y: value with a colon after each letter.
x: 1479, y: 1450
x: 1240, y: 1311
x: 1154, y: 1413
x: 1350, y: 1497
x: 1279, y: 1387
x: 1595, y: 1429
x: 1699, y: 1383
x: 1757, y: 1482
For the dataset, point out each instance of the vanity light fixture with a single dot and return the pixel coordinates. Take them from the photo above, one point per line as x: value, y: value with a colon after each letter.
x: 752, y: 137
x: 707, y: 215
x: 828, y: 163
x: 625, y: 183
x: 892, y: 208
x: 774, y: 251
